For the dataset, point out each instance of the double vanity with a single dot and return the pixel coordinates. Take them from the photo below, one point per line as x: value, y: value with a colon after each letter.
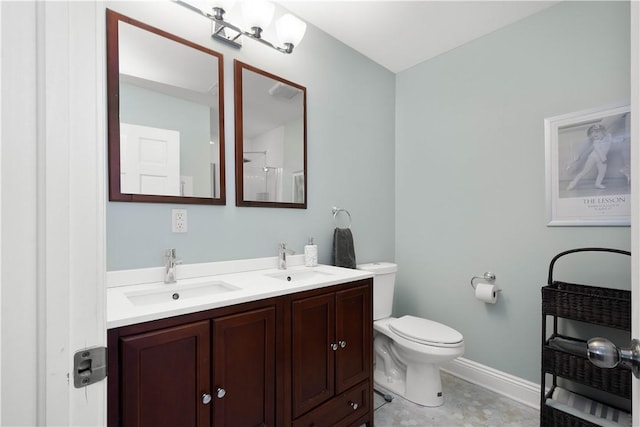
x: 237, y: 343
x: 240, y: 343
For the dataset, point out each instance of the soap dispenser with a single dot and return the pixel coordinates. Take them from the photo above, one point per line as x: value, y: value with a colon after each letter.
x: 310, y: 254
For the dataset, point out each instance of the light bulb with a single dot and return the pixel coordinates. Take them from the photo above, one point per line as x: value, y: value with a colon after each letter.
x: 290, y: 29
x: 257, y: 13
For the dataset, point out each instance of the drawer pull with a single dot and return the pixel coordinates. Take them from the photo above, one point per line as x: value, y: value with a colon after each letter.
x: 206, y: 398
x: 354, y: 405
x: 343, y: 344
x: 333, y: 346
x: 221, y: 392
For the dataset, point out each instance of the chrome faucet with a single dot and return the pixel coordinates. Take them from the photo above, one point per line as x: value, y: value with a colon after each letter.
x: 282, y: 256
x: 170, y: 266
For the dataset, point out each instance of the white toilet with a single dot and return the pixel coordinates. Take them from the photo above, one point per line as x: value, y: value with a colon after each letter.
x: 408, y: 350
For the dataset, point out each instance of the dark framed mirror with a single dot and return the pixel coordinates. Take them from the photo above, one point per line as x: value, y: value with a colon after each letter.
x: 165, y: 116
x: 271, y: 139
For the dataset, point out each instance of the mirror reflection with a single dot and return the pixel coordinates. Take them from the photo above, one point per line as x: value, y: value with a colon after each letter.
x: 271, y: 144
x: 166, y: 139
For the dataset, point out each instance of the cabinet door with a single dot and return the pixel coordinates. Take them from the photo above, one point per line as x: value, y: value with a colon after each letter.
x: 244, y: 369
x: 353, y: 333
x: 313, y: 321
x: 164, y: 374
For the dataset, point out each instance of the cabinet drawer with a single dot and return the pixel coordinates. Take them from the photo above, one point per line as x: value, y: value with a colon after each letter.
x: 339, y: 411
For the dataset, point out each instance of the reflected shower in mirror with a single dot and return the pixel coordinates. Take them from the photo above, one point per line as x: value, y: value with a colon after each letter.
x: 271, y: 143
x: 166, y: 137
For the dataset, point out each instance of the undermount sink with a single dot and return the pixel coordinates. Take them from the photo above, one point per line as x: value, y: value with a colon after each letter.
x: 296, y: 276
x: 179, y: 292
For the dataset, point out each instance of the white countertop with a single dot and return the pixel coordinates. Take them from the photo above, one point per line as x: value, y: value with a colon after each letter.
x: 249, y: 280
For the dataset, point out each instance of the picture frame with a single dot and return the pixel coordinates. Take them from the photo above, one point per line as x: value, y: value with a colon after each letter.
x: 587, y: 156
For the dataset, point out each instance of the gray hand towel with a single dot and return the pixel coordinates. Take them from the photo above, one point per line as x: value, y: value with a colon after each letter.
x: 344, y: 254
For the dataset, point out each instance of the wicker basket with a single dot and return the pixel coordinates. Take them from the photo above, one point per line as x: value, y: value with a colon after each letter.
x: 592, y: 304
x: 554, y: 417
x: 579, y: 369
x: 600, y: 306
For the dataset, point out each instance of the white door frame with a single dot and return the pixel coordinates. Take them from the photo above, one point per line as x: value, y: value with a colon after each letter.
x: 0, y: 218
x: 18, y: 145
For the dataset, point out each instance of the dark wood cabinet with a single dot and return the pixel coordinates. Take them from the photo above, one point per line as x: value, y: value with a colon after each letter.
x: 214, y: 368
x: 354, y: 332
x: 332, y: 357
x: 298, y: 360
x: 164, y: 373
x: 313, y: 321
x: 244, y: 368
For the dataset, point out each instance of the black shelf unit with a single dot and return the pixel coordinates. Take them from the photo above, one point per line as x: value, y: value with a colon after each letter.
x: 591, y: 304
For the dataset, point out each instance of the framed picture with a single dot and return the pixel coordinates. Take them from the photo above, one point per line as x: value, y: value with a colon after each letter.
x: 588, y: 168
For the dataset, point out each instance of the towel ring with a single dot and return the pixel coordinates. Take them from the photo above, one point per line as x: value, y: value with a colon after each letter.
x: 336, y: 211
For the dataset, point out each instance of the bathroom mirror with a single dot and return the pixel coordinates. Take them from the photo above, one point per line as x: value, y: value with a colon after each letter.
x: 271, y: 139
x: 165, y: 116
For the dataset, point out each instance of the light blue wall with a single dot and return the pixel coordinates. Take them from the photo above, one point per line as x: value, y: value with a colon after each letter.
x: 351, y: 133
x: 470, y: 173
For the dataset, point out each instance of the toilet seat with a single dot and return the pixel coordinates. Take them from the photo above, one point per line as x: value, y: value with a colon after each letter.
x: 424, y: 331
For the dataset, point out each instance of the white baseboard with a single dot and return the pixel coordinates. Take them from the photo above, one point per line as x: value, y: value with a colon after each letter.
x: 518, y: 389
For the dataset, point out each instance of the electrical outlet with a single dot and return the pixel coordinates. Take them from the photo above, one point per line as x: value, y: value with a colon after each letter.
x: 179, y: 220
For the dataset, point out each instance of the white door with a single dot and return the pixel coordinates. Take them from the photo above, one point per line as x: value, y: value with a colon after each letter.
x: 149, y: 160
x: 71, y: 206
x: 53, y: 209
x: 635, y: 193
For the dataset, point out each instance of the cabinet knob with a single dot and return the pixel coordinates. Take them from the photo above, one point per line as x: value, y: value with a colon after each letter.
x: 343, y: 344
x: 206, y: 398
x: 353, y: 405
x: 221, y: 392
x: 334, y: 346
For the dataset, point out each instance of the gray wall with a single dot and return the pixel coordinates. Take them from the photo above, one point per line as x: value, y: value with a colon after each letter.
x: 350, y: 159
x: 470, y: 174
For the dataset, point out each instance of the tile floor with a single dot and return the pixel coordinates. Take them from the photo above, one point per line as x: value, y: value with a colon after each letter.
x: 465, y: 405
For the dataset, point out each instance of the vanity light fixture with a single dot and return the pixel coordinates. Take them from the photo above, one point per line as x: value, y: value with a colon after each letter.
x: 257, y: 16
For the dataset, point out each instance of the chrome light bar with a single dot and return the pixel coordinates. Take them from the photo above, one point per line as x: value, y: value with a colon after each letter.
x: 229, y: 33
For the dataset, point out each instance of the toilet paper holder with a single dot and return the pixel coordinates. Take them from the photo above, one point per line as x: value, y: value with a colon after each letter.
x: 488, y: 276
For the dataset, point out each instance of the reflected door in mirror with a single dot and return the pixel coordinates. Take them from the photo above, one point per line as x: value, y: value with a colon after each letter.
x: 149, y: 160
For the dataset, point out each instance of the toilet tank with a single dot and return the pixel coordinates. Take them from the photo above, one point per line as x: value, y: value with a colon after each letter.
x: 384, y: 281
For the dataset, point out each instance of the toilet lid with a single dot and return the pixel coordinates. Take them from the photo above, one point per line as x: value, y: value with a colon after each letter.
x: 425, y: 331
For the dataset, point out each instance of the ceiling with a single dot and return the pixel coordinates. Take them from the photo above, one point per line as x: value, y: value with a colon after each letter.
x: 401, y: 34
